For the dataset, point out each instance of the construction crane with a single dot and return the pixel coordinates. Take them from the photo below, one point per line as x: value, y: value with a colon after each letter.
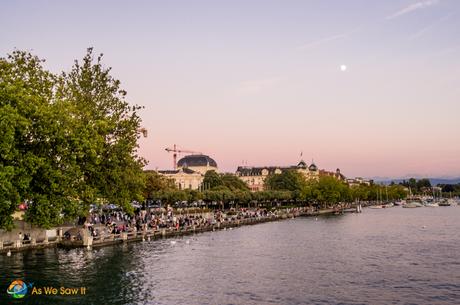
x: 176, y: 151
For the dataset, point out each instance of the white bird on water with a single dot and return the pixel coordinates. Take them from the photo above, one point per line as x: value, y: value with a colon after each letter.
x: 8, y: 253
x: 173, y: 242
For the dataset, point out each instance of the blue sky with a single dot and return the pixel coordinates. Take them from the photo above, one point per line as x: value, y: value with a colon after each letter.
x: 259, y: 81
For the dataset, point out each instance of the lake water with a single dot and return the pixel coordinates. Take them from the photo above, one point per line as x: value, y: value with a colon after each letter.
x: 388, y: 256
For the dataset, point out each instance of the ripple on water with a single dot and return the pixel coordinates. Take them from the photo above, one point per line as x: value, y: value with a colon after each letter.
x: 377, y: 257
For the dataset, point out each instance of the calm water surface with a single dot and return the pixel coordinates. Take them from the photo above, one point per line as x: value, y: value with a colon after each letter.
x: 389, y: 256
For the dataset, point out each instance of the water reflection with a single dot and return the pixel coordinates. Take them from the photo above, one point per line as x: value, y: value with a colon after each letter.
x: 391, y: 256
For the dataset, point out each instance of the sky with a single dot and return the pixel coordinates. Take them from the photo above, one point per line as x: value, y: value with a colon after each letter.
x: 259, y: 83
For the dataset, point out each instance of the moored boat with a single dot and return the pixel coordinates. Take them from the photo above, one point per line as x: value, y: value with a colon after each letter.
x: 444, y: 203
x: 388, y: 205
x: 412, y: 204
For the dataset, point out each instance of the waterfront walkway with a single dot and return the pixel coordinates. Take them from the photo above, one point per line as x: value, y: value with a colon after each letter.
x: 146, y: 227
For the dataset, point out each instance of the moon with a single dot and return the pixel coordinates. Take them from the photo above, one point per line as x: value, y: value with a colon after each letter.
x: 343, y: 68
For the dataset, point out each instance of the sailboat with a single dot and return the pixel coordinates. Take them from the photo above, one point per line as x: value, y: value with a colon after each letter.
x: 444, y: 203
x: 379, y: 206
x: 431, y: 202
x: 388, y: 204
x: 412, y: 202
x: 452, y: 201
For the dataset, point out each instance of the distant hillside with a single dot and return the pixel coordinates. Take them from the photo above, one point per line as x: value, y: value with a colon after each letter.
x: 434, y: 181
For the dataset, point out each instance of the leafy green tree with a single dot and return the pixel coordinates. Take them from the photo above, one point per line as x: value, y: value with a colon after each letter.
x: 329, y: 190
x: 65, y: 141
x: 34, y: 151
x: 107, y: 134
x: 360, y: 192
x: 172, y: 196
x: 193, y: 195
x: 289, y: 180
x: 416, y: 186
x: 155, y: 182
x: 212, y: 195
x: 423, y: 183
x: 241, y: 196
x: 211, y: 180
x: 233, y: 183
x: 396, y: 192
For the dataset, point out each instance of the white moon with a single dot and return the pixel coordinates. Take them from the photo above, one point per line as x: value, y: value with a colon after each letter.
x: 343, y: 68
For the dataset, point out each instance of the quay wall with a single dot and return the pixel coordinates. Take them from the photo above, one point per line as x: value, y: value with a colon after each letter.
x: 40, y: 238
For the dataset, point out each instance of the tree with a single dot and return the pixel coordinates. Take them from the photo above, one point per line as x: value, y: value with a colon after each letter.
x: 233, y: 183
x: 193, y: 195
x: 65, y: 141
x: 417, y: 186
x: 289, y: 180
x: 360, y: 192
x: 241, y: 196
x: 412, y: 183
x: 107, y: 134
x: 423, y: 183
x: 329, y: 190
x: 155, y: 182
x: 211, y: 180
x: 34, y: 153
x: 396, y: 192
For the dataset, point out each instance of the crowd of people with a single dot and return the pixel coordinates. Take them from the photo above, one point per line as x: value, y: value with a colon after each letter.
x: 107, y: 222
x: 116, y: 222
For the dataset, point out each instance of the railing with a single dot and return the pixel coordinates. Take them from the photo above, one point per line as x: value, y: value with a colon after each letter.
x: 26, y: 244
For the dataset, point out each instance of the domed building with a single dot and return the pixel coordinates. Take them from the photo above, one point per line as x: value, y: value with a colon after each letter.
x: 190, y: 171
x: 197, y: 163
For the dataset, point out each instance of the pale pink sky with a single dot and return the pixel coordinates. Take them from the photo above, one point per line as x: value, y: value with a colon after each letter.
x: 260, y: 80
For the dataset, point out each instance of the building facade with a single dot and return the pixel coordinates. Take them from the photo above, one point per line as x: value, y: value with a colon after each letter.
x: 358, y: 181
x: 255, y: 176
x: 190, y: 171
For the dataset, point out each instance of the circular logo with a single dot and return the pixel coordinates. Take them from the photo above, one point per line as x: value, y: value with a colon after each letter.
x: 17, y: 289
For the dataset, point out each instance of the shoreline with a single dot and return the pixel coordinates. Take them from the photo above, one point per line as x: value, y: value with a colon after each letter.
x: 148, y: 235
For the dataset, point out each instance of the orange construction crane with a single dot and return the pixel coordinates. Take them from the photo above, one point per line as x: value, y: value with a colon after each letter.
x: 176, y: 151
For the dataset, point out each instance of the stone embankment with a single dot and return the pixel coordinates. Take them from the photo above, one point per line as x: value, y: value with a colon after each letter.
x: 56, y: 239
